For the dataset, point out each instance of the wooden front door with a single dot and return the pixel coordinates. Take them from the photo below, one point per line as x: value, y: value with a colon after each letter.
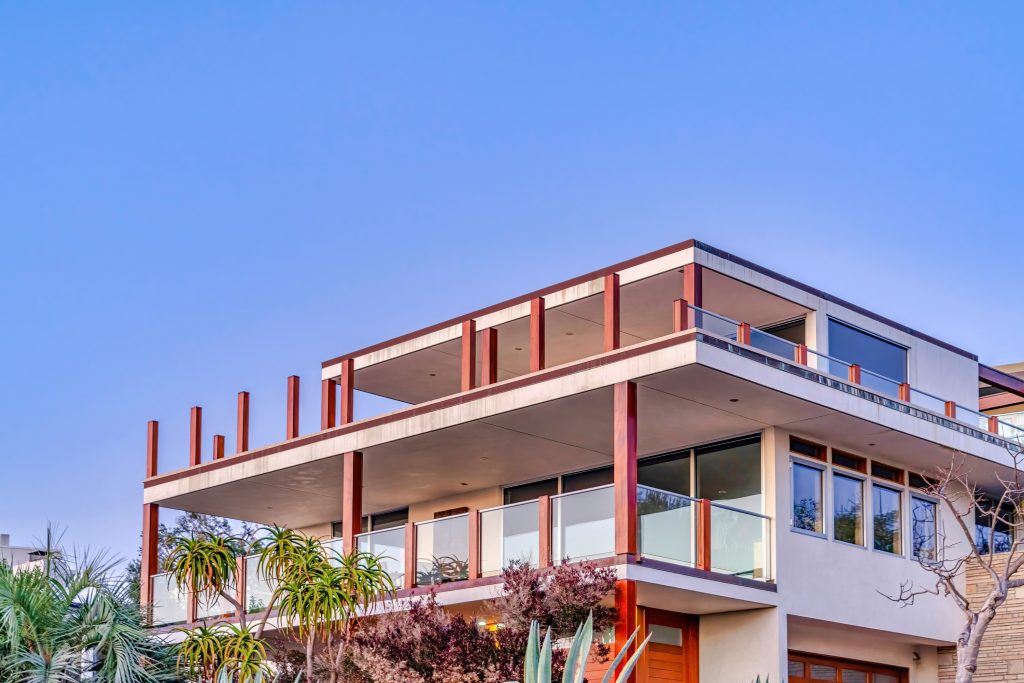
x: 671, y: 655
x: 807, y: 668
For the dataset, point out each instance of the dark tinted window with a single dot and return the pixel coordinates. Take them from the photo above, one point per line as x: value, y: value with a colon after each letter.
x: 730, y: 473
x: 666, y: 472
x: 390, y: 520
x: 531, y: 491
x: 866, y: 350
x: 587, y: 480
x: 811, y: 450
x: 885, y: 472
x: 848, y: 460
x: 790, y: 331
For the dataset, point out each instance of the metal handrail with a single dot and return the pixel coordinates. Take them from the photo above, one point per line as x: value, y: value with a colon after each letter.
x: 573, y: 493
x: 510, y: 505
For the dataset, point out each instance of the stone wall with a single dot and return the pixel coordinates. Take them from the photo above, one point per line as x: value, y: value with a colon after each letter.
x: 1002, y: 650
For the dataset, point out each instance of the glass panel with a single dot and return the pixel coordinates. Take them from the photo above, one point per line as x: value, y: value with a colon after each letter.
x: 715, y: 324
x: 730, y: 473
x: 738, y: 543
x: 531, y: 491
x: 666, y: 472
x: 666, y: 635
x: 886, y: 504
x: 822, y: 672
x: 214, y: 608
x: 772, y: 344
x: 855, y: 676
x: 922, y: 527
x: 442, y: 550
x: 870, y: 352
x: 927, y: 401
x: 807, y: 498
x: 169, y: 604
x: 796, y: 669
x: 389, y: 545
x: 587, y: 480
x: 509, y: 533
x: 848, y: 506
x: 972, y: 417
x: 335, y: 548
x: 884, y: 678
x: 666, y: 525
x: 879, y: 383
x: 583, y: 524
x: 258, y: 590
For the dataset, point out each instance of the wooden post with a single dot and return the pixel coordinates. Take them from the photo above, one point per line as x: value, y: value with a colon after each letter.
x: 474, y: 544
x: 624, y: 467
x: 410, y: 555
x: 625, y: 605
x: 195, y: 436
x: 680, y: 315
x: 348, y: 388
x: 328, y: 403
x: 951, y: 409
x: 152, y: 442
x: 743, y: 333
x: 537, y: 334
x: 191, y: 607
x: 241, y: 570
x: 468, y: 361
x: 611, y: 311
x: 292, y: 418
x: 242, y: 435
x: 904, y: 392
x: 150, y: 555
x: 218, y: 446
x: 704, y: 534
x: 800, y: 354
x: 489, y: 356
x: 993, y: 424
x: 544, y: 531
x: 693, y: 281
x: 853, y: 373
x: 351, y: 499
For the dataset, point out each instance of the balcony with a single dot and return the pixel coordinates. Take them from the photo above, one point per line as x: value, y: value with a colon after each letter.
x: 676, y: 533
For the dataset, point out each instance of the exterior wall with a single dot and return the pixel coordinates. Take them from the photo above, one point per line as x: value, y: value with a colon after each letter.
x: 739, y: 646
x: 480, y: 499
x: 1002, y: 657
x: 317, y: 530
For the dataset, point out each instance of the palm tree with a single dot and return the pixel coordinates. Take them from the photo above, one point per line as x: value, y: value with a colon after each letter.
x: 72, y: 619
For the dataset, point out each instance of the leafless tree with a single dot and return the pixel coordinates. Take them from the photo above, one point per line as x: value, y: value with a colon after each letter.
x: 997, y: 509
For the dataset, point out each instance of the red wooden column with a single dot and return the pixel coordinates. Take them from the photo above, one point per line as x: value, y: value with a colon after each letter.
x: 681, y: 315
x: 800, y: 354
x: 611, y: 312
x: 625, y: 604
x: 743, y: 333
x: 624, y: 453
x: 853, y: 373
x: 693, y: 290
x: 242, y: 430
x: 218, y: 446
x: 328, y: 403
x: 544, y: 531
x: 904, y: 392
x: 951, y: 409
x: 474, y: 544
x: 291, y: 429
x: 195, y: 436
x: 150, y: 522
x: 468, y: 355
x: 489, y: 356
x: 241, y: 569
x: 537, y: 334
x: 704, y: 534
x: 993, y: 424
x: 351, y: 498
x: 410, y: 556
x: 348, y: 389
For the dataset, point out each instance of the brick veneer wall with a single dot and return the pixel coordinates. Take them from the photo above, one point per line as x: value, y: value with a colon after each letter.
x: 1002, y: 650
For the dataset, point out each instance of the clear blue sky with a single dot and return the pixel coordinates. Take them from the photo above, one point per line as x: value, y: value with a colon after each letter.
x: 198, y: 199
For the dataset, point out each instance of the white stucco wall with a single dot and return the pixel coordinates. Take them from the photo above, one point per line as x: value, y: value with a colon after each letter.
x: 739, y: 646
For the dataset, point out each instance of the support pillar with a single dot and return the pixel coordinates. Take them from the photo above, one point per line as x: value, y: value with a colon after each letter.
x: 611, y: 312
x: 242, y: 434
x: 489, y: 356
x: 624, y: 468
x: 351, y: 499
x: 474, y: 544
x: 409, y: 580
x: 625, y: 604
x: 292, y: 419
x: 348, y: 390
x: 537, y: 334
x: 693, y: 290
x: 468, y: 361
x: 195, y: 436
x: 218, y: 446
x: 681, y: 315
x: 328, y: 403
x: 150, y: 523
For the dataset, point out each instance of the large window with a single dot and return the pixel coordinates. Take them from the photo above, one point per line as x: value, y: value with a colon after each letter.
x: 807, y: 498
x: 866, y: 350
x: 923, y: 530
x: 993, y: 532
x: 730, y: 473
x: 886, y: 509
x: 666, y: 472
x: 848, y: 509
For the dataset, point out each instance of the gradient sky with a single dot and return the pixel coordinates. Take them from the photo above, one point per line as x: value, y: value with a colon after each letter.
x: 201, y: 198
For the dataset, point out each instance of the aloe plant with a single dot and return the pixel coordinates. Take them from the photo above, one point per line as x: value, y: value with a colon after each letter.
x: 537, y: 667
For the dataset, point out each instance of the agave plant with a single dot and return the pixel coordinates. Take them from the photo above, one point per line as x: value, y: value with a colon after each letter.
x: 537, y: 667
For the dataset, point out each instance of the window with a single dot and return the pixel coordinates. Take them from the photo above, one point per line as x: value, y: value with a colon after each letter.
x: 923, y: 533
x: 993, y: 532
x: 886, y: 508
x: 811, y: 450
x: 791, y: 330
x: 807, y: 498
x: 885, y: 472
x: 854, y: 462
x: 918, y: 481
x: 852, y: 345
x: 531, y: 491
x: 587, y: 480
x: 730, y: 473
x: 848, y: 509
x: 666, y: 472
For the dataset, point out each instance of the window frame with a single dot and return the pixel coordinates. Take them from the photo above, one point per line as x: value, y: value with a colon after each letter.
x: 916, y: 494
x: 854, y: 476
x: 900, y: 491
x: 822, y: 469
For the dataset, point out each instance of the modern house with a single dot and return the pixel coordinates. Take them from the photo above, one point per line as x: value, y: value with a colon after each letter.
x: 748, y: 452
x: 20, y: 557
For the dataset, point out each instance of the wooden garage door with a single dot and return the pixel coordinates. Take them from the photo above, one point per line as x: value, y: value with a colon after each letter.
x: 671, y: 655
x: 806, y: 668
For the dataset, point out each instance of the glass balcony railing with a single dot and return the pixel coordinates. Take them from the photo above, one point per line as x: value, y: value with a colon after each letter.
x: 509, y: 533
x: 772, y: 344
x: 442, y: 550
x: 258, y: 589
x: 666, y: 525
x: 713, y: 323
x: 930, y: 402
x: 335, y: 549
x: 389, y: 546
x: 170, y: 606
x: 214, y: 608
x: 583, y: 524
x: 879, y: 383
x: 739, y: 542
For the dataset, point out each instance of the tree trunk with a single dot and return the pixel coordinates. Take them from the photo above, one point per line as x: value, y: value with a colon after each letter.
x: 968, y: 646
x: 309, y: 658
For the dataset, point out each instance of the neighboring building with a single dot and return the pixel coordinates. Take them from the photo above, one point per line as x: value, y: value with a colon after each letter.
x: 20, y: 557
x: 744, y: 449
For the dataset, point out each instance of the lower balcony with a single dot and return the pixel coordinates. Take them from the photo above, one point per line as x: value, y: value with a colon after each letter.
x: 675, y: 533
